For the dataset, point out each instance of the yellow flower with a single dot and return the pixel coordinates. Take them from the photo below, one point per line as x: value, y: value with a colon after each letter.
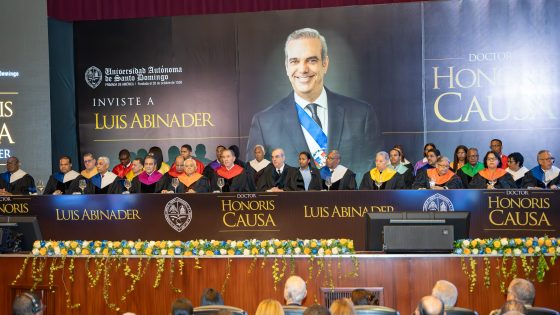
x: 74, y: 244
x: 97, y: 244
x: 264, y: 244
x: 126, y: 251
x: 323, y: 242
x: 313, y: 244
x: 343, y: 241
x: 215, y: 243
x: 497, y: 244
x: 231, y: 252
x: 508, y: 251
x: 306, y: 251
x: 541, y: 241
x: 467, y: 251
x: 328, y: 252
x: 117, y: 244
x: 351, y: 244
x: 105, y: 252
x: 518, y: 241
x: 254, y: 251
x: 85, y: 251
x: 280, y: 251
x: 63, y: 252
x: 209, y: 253
x: 473, y: 243
x: 482, y: 242
x: 529, y: 243
x: 148, y: 251
x: 43, y: 251
x: 239, y: 244
x: 188, y: 253
x: 294, y: 244
x: 170, y: 252
x: 138, y: 245
x: 195, y: 243
x: 530, y: 250
x: 277, y: 243
x: 488, y: 250
x: 551, y: 250
x: 177, y: 243
x: 162, y: 245
x: 548, y: 242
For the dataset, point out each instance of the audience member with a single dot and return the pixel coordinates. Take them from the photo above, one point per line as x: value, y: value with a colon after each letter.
x: 147, y: 181
x: 382, y: 176
x: 214, y: 165
x: 295, y: 290
x: 269, y: 307
x: 234, y: 176
x: 186, y: 153
x: 362, y: 297
x: 137, y: 168
x: 342, y: 307
x: 211, y: 297
x: 424, y: 160
x: 521, y: 290
x: 496, y: 146
x: 157, y: 153
x: 258, y: 164
x: 191, y: 180
x: 406, y: 162
x: 437, y: 178
x: 516, y: 168
x: 430, y: 305
x: 395, y: 157
x: 459, y: 158
x: 182, y: 306
x: 492, y: 176
x: 166, y: 181
x: 28, y: 303
x: 513, y: 306
x: 307, y: 178
x: 471, y: 168
x: 90, y: 166
x: 341, y: 177
x: 235, y: 150
x: 104, y: 182
x: 275, y: 176
x: 446, y: 292
x: 431, y: 156
x: 59, y: 183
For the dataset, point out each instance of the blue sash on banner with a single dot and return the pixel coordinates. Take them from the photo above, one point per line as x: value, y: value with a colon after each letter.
x: 311, y: 126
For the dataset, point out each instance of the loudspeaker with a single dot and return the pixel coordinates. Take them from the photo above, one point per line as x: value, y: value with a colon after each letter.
x: 418, y: 238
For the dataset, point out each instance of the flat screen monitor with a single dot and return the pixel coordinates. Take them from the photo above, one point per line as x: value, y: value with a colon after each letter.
x: 27, y: 227
x: 376, y: 222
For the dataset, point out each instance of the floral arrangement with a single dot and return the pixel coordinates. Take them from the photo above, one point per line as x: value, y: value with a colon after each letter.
x: 253, y: 247
x: 508, y: 246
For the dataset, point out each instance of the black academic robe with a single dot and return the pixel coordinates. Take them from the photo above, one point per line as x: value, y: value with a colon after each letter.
x: 270, y: 178
x: 347, y: 182
x: 22, y: 186
x: 53, y: 185
x: 408, y: 176
x: 396, y: 182
x: 295, y: 181
x: 202, y: 185
x: 465, y: 179
x: 165, y: 182
x: 504, y: 182
x: 116, y: 187
x: 137, y: 187
x: 529, y: 180
x: 239, y: 183
x: 423, y: 181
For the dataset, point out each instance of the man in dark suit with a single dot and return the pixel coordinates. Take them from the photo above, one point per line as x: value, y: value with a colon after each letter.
x: 314, y: 118
x: 276, y: 174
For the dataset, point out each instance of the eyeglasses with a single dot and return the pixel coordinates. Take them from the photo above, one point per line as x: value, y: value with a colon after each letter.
x: 88, y: 161
x: 491, y: 159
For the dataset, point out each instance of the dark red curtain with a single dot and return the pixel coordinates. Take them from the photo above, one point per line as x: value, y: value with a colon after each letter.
x: 77, y: 10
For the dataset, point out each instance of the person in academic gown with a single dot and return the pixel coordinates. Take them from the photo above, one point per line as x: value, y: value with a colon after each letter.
x: 235, y: 177
x: 397, y: 164
x: 275, y: 176
x: 186, y: 151
x: 149, y: 180
x: 493, y: 176
x: 124, y: 166
x: 167, y: 178
x: 137, y: 168
x: 59, y: 183
x: 387, y: 178
x: 543, y: 176
x: 441, y: 175
x: 471, y: 168
x: 516, y: 168
x: 424, y: 160
x: 341, y: 177
x: 257, y: 165
x: 214, y: 165
x: 15, y: 181
x: 307, y: 177
x: 191, y: 181
x: 104, y: 182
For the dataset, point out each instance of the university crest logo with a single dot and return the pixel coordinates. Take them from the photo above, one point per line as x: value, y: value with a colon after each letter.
x: 93, y: 76
x: 178, y: 214
x: 438, y: 202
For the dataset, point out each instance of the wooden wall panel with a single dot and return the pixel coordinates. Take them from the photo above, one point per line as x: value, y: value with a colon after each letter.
x: 405, y: 280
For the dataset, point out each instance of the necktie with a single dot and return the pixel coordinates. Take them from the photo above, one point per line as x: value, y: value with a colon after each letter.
x: 313, y: 108
x: 279, y: 173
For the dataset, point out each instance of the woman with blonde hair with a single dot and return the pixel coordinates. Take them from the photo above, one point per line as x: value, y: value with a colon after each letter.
x: 342, y: 307
x: 269, y: 307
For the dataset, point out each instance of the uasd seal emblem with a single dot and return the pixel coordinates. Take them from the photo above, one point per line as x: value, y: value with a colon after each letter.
x: 93, y: 77
x: 438, y: 202
x: 178, y: 214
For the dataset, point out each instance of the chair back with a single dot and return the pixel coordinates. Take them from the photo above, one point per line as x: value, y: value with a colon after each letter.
x: 293, y: 309
x: 535, y: 310
x: 374, y: 310
x: 459, y: 311
x: 214, y: 309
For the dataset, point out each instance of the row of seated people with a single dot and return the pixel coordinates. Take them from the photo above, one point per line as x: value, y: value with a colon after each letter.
x: 228, y: 174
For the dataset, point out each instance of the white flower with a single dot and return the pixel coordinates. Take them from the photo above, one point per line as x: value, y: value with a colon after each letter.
x: 475, y: 251
x: 271, y: 250
x: 233, y: 244
x: 321, y: 252
x: 494, y: 252
x: 246, y: 252
x: 517, y: 252
x: 297, y: 250
x: 558, y: 249
x: 201, y: 253
x: 57, y: 250
x: 36, y: 244
x: 329, y: 242
x: 504, y: 241
x: 466, y: 243
x: 48, y: 244
x: 223, y: 252
x: 335, y: 251
x: 537, y: 249
x: 253, y: 241
x: 35, y: 251
x: 305, y: 242
x: 67, y: 243
x: 78, y: 250
x: 151, y: 244
x: 169, y: 244
x: 130, y: 244
x: 85, y: 244
x: 110, y: 244
x: 119, y: 250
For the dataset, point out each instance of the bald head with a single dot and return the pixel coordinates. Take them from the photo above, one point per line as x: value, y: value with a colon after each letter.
x: 429, y: 305
x: 521, y: 290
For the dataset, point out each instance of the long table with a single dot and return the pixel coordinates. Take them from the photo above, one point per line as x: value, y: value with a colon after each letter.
x: 287, y: 215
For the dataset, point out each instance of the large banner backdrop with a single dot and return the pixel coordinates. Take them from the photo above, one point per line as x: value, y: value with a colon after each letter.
x: 445, y: 72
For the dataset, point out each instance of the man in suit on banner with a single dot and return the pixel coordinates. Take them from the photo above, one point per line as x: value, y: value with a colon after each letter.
x: 313, y: 118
